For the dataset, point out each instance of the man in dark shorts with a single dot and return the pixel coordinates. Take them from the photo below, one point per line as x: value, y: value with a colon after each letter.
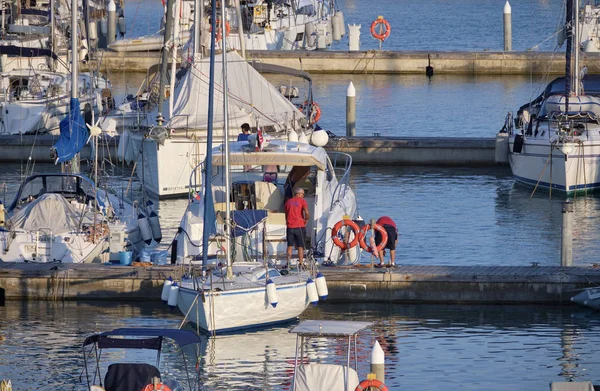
x: 296, y: 216
x: 392, y: 232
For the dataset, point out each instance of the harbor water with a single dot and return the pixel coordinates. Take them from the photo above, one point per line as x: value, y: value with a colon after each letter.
x: 445, y: 215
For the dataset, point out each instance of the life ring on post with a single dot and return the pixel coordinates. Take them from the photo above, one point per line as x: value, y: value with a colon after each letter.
x: 158, y: 387
x: 384, y: 28
x: 363, y: 235
x: 337, y: 241
x: 365, y: 384
x: 219, y: 33
x: 315, y: 111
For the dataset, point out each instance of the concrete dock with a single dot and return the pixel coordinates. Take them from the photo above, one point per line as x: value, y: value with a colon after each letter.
x: 404, y: 284
x: 374, y: 62
x: 364, y: 150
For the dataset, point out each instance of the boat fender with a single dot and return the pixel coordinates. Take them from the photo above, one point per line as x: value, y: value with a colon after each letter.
x: 368, y: 383
x: 156, y: 387
x: 309, y: 33
x: 311, y: 290
x: 336, y: 239
x: 164, y: 296
x: 155, y: 227
x: 372, y: 247
x: 321, y: 286
x: 384, y: 29
x: 173, y: 293
x: 272, y: 293
x: 145, y: 230
x: 174, y: 251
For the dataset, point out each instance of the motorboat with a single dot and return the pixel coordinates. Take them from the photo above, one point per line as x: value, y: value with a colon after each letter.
x: 589, y: 297
x: 128, y: 359
x: 554, y: 142
x: 258, y: 189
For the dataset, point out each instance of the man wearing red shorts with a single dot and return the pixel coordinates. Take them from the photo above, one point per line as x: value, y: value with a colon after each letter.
x: 296, y: 216
x: 392, y: 232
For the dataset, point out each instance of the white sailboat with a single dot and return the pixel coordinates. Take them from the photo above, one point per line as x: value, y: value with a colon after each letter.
x: 556, y: 142
x: 241, y: 295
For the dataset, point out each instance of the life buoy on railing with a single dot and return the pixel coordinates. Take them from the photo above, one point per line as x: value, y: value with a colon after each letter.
x: 363, y: 235
x: 337, y: 241
x: 157, y: 387
x: 365, y: 384
x: 315, y: 111
x: 219, y: 34
x: 384, y: 28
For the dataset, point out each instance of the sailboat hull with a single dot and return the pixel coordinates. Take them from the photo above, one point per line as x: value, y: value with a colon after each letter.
x: 238, y: 309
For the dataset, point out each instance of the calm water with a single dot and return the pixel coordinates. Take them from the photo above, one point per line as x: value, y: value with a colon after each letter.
x: 427, y: 347
x: 421, y: 25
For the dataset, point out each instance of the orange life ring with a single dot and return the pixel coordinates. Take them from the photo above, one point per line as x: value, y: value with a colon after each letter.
x: 159, y: 387
x: 363, y: 235
x: 384, y: 29
x: 336, y: 229
x: 365, y: 384
x: 219, y: 30
x: 315, y: 111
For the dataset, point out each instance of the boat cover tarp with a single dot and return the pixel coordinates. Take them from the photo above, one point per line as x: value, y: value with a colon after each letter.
x: 181, y: 337
x: 590, y: 83
x: 310, y: 377
x: 246, y: 220
x: 12, y: 50
x: 129, y: 376
x: 572, y: 386
x: 51, y: 211
x: 252, y: 98
x: 73, y: 133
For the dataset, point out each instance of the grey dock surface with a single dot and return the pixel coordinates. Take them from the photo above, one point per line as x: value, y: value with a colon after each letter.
x: 466, y: 151
x: 404, y: 284
x: 372, y: 62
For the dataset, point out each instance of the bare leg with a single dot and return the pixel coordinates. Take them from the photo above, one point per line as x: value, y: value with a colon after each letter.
x: 381, y: 258
x: 301, y: 255
x: 392, y: 256
x: 289, y: 255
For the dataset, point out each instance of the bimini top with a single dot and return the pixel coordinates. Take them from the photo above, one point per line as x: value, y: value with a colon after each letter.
x: 329, y: 328
x: 152, y: 340
x: 277, y: 152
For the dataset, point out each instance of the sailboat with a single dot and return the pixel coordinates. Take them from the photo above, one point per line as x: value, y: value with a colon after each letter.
x: 243, y: 294
x: 554, y: 142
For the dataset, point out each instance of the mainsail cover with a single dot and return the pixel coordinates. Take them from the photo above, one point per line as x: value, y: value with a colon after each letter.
x: 252, y: 98
x: 73, y: 133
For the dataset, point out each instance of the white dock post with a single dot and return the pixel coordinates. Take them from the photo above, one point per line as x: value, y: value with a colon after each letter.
x: 566, y: 258
x: 112, y: 22
x: 378, y: 362
x: 351, y: 110
x: 507, y: 27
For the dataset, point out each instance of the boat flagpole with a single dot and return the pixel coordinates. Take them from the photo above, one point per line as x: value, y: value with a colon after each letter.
x: 209, y: 214
x: 164, y: 60
x: 568, y: 50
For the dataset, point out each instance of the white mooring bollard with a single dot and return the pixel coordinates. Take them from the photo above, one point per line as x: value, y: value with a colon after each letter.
x: 351, y: 111
x: 507, y: 27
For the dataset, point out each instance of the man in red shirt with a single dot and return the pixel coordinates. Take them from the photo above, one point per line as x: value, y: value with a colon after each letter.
x: 392, y: 232
x: 296, y: 216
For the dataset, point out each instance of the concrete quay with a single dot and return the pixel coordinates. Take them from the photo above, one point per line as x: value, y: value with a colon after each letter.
x: 364, y: 150
x: 404, y: 284
x: 373, y: 62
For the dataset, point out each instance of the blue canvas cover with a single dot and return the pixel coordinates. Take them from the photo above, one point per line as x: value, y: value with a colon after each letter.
x: 246, y: 220
x: 73, y: 134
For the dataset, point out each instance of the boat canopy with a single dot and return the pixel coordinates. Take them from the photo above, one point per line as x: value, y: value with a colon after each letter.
x: 281, y: 153
x: 329, y: 328
x: 151, y: 341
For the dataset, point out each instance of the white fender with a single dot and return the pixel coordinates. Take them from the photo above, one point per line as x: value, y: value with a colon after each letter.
x: 145, y: 230
x: 164, y: 296
x: 123, y: 145
x: 272, y: 293
x: 311, y: 290
x: 155, y: 226
x: 173, y: 293
x: 321, y: 286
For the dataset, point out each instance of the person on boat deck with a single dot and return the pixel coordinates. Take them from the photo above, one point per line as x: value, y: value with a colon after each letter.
x: 297, y: 174
x: 392, y: 232
x: 245, y: 132
x: 296, y: 217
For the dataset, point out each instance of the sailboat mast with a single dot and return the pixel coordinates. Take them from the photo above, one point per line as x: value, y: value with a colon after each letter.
x: 74, y: 54
x: 208, y: 196
x: 569, y: 48
x: 226, y: 140
x: 577, y: 38
x: 165, y: 59
x: 198, y: 16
